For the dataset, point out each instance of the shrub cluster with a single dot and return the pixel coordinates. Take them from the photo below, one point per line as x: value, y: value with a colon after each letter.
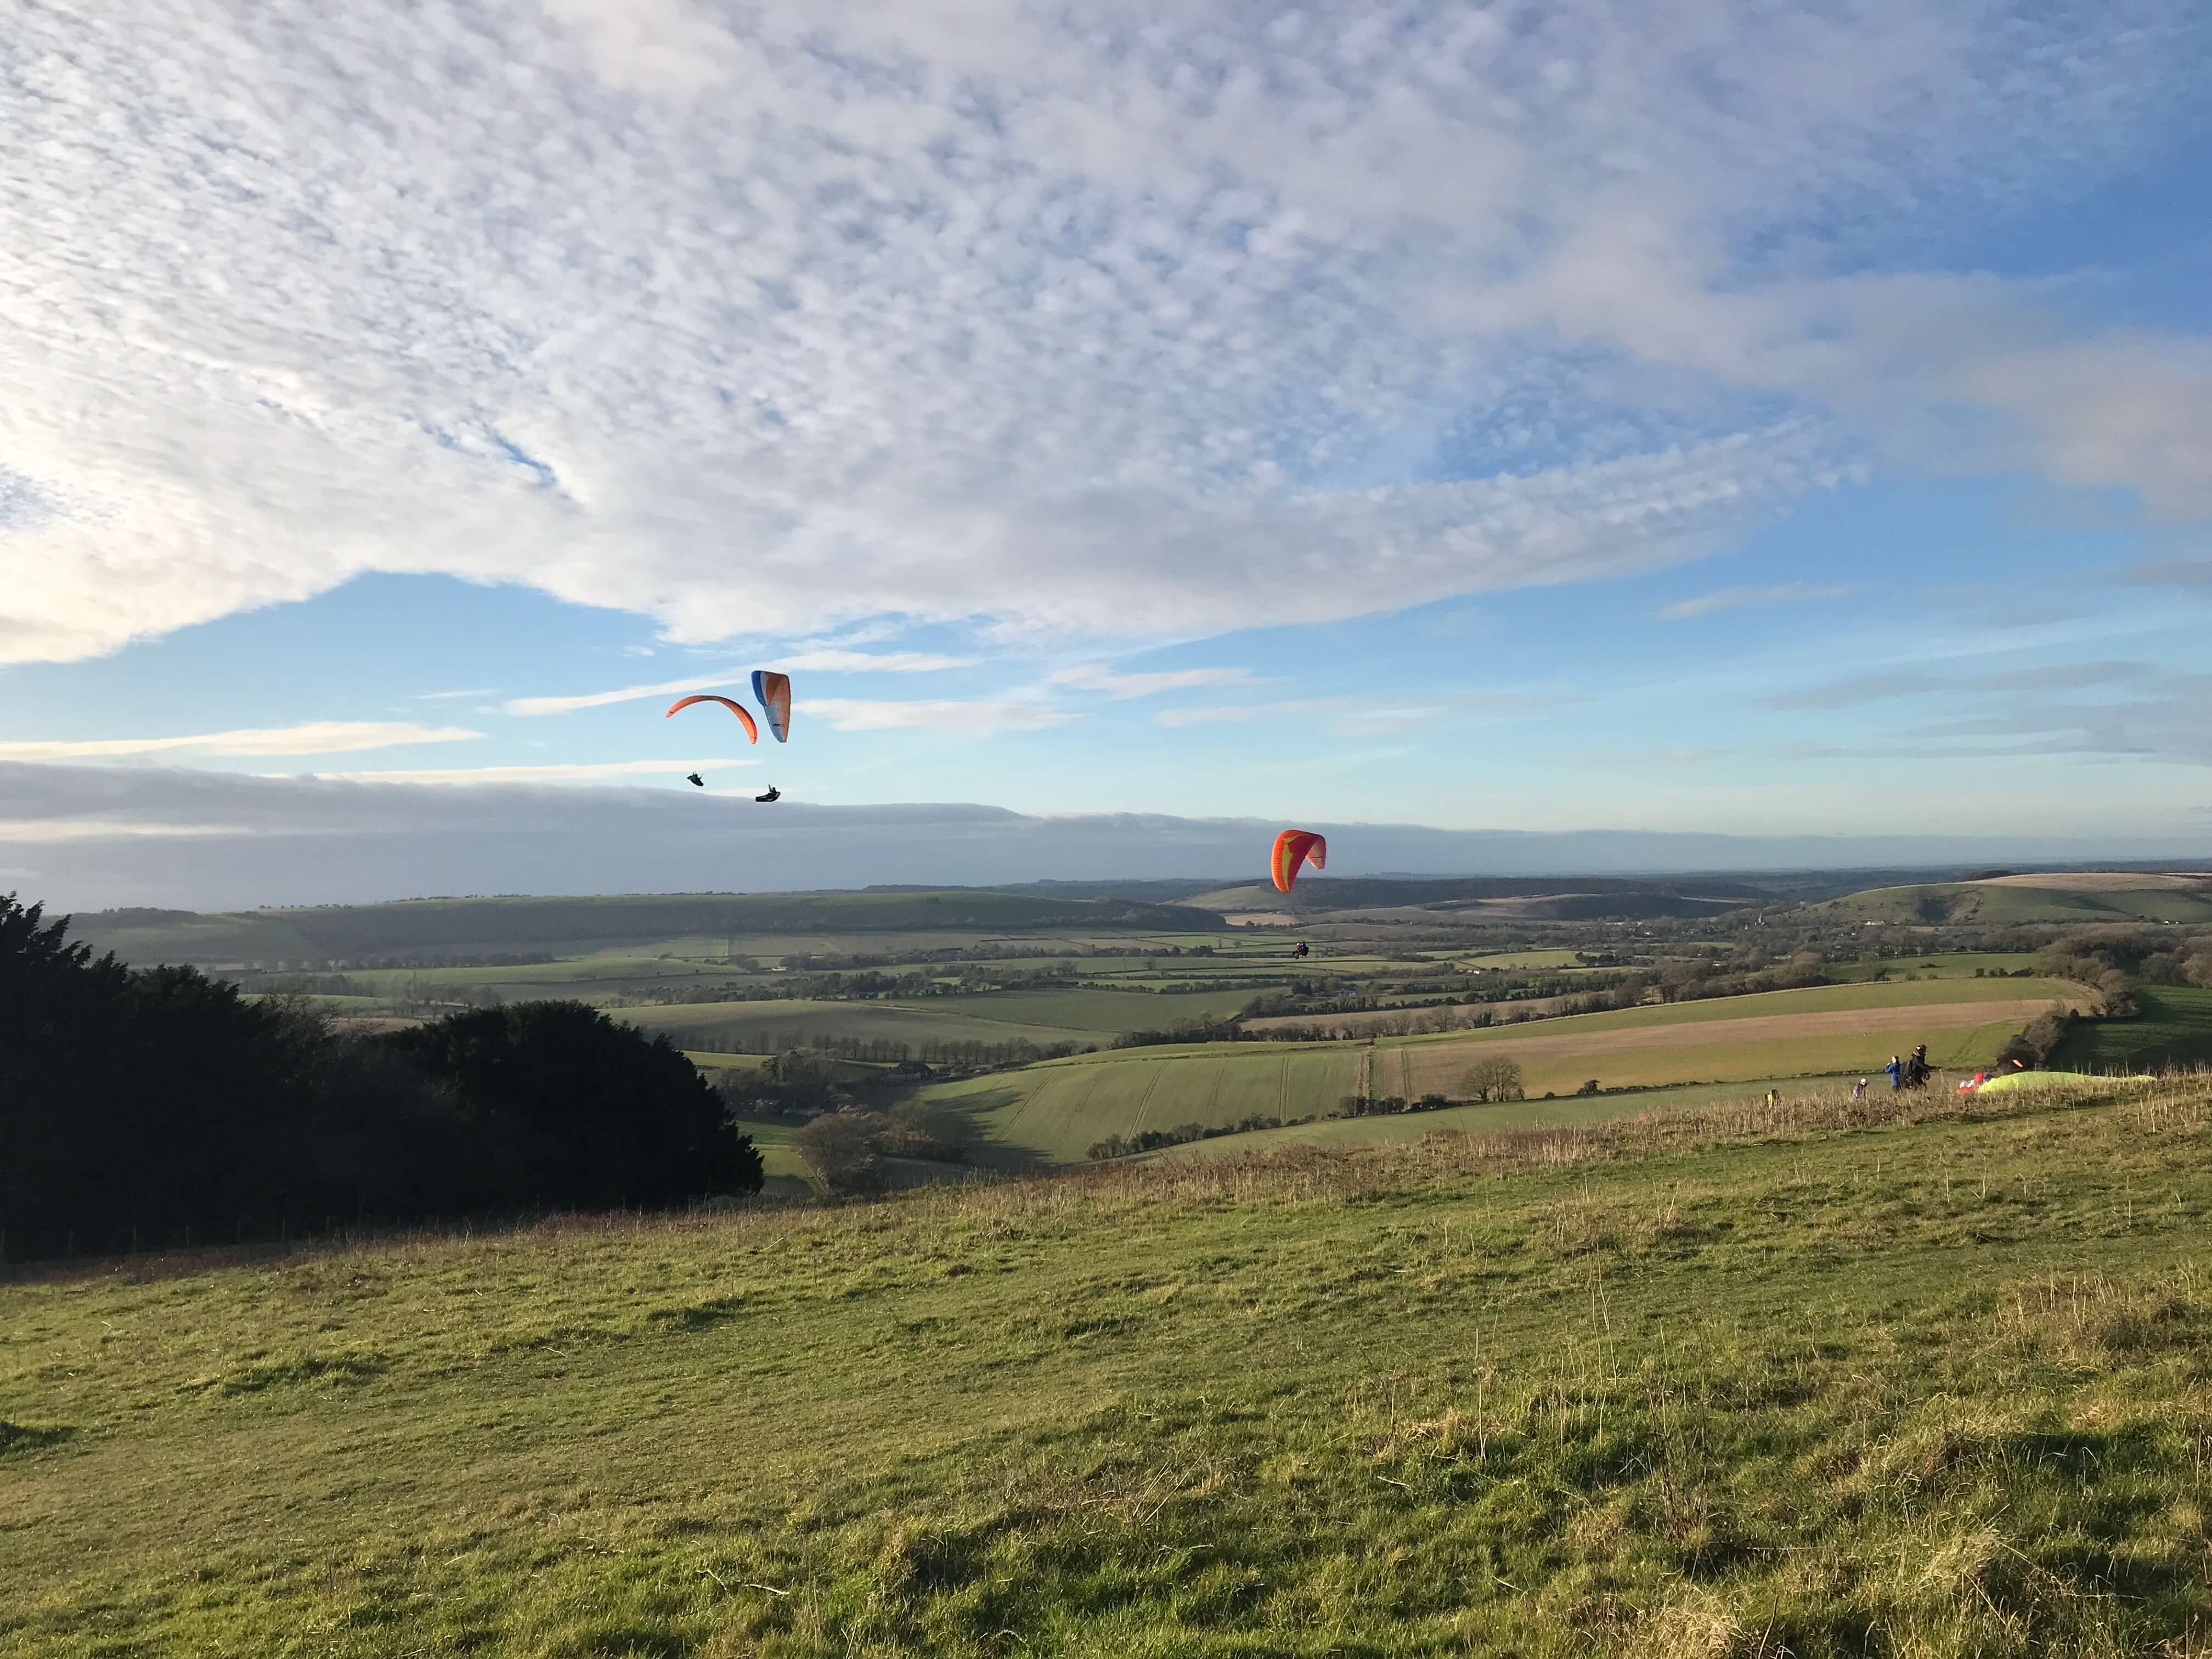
x: 1148, y: 1140
x: 846, y: 1148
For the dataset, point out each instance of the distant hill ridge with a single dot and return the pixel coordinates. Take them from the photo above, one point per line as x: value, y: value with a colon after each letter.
x: 351, y: 930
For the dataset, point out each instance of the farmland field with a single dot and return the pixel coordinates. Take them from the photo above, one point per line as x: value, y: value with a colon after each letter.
x: 1781, y: 1033
x: 1055, y: 1111
x: 1506, y: 1115
x: 732, y: 1025
x: 1099, y: 1011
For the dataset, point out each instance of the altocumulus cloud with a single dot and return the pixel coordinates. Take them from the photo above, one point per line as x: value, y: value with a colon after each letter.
x: 762, y: 319
x: 314, y: 738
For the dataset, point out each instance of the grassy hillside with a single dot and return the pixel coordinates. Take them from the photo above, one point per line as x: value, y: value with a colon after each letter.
x: 2093, y: 896
x: 1828, y: 1383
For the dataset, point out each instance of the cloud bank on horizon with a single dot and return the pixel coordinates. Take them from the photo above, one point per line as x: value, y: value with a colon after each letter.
x: 1125, y: 322
x: 88, y: 838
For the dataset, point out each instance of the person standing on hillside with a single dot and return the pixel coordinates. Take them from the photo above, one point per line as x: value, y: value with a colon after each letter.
x: 1858, y: 1089
x: 1896, y: 1070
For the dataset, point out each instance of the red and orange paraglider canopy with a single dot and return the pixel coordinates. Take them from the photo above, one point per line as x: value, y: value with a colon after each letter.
x: 1294, y: 848
x: 745, y: 718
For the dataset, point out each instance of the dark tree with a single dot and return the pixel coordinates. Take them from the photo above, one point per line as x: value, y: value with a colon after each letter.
x: 580, y: 1112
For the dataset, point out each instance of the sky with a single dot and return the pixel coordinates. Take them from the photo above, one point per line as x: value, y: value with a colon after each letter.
x: 1695, y: 418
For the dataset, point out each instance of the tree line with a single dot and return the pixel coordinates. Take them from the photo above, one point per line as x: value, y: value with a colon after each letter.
x: 162, y: 1107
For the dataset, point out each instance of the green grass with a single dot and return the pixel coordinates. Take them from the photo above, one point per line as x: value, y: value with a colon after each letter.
x: 1825, y: 1382
x: 1510, y: 1115
x: 1053, y: 1112
x: 2174, y: 1028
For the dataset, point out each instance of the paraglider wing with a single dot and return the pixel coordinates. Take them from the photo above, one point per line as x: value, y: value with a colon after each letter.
x: 745, y: 718
x: 772, y: 691
x: 1294, y: 848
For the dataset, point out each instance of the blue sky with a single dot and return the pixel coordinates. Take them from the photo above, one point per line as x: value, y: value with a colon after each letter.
x: 1704, y: 417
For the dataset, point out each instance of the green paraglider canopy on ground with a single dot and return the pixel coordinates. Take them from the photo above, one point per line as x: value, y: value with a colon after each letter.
x: 2052, y: 1080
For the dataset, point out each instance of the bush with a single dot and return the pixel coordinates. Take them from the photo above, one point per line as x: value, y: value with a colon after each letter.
x: 2034, y: 1046
x: 844, y: 1150
x: 1497, y: 1079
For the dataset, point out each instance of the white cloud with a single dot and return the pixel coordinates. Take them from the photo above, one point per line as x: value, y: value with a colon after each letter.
x: 870, y: 662
x: 734, y: 683
x: 551, y: 772
x: 970, y: 719
x: 315, y: 737
x: 728, y: 685
x: 1136, y: 325
x: 60, y: 831
x: 1093, y: 677
x: 1735, y: 598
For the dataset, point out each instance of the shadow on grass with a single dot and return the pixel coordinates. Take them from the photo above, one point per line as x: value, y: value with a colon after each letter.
x: 30, y: 1437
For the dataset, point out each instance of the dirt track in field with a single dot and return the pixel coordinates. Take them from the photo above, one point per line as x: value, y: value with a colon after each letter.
x: 1764, y: 1028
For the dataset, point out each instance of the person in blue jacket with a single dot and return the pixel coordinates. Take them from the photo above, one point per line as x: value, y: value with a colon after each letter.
x: 1896, y: 1070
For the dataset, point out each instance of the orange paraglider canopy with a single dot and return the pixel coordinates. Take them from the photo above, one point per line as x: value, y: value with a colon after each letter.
x: 745, y: 719
x: 1294, y: 848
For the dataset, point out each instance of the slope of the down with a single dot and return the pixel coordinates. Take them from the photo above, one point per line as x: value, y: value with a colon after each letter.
x: 1896, y: 1377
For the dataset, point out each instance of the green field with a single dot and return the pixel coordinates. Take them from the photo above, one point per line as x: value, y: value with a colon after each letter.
x: 1510, y: 959
x: 1101, y: 1012
x: 2174, y: 1028
x: 1508, y: 1117
x: 1055, y: 1111
x: 1828, y: 1383
x: 732, y: 1025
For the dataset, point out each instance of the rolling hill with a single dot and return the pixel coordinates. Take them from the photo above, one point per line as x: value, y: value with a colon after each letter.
x: 2092, y: 896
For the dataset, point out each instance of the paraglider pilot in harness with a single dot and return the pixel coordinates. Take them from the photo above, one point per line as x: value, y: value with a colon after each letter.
x: 773, y: 794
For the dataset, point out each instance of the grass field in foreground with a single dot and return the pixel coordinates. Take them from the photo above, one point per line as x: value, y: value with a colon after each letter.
x: 1826, y: 1382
